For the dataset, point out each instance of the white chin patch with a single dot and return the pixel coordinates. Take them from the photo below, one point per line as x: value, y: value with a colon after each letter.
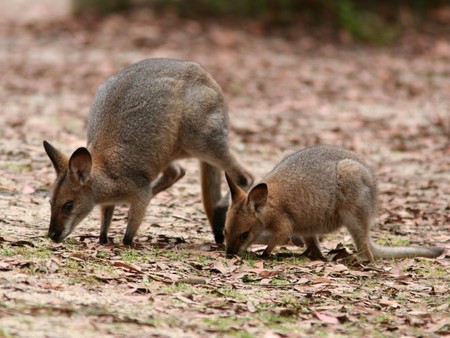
x: 68, y: 227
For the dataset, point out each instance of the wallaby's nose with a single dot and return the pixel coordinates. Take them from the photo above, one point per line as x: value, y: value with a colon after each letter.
x: 53, y: 236
x: 229, y: 254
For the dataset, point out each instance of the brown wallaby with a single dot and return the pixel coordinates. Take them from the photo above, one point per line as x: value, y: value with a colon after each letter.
x: 141, y: 120
x: 311, y: 192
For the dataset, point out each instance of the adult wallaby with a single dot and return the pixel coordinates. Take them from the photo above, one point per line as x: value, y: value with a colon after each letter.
x: 311, y: 192
x: 141, y: 120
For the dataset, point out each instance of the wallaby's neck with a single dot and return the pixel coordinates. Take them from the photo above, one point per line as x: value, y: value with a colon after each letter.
x: 105, y: 188
x: 102, y: 187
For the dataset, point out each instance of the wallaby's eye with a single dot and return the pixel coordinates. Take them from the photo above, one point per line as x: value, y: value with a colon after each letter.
x: 244, y: 235
x: 67, y: 207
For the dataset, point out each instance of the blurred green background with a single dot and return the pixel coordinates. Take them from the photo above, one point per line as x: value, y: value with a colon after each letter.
x: 377, y: 22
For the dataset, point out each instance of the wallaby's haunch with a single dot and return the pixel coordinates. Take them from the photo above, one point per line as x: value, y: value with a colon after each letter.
x: 142, y: 120
x: 311, y: 192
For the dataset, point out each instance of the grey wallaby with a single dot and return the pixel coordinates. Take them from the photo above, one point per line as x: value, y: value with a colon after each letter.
x: 141, y: 120
x: 311, y: 192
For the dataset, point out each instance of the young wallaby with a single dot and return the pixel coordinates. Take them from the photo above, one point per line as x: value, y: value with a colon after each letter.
x: 141, y: 120
x: 311, y: 192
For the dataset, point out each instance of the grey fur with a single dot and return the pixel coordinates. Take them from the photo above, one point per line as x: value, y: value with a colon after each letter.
x: 143, y: 119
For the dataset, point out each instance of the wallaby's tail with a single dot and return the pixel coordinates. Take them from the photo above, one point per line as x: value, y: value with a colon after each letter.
x: 215, y: 206
x: 379, y: 251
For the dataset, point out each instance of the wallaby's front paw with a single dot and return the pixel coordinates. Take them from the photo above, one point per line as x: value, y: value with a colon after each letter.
x: 220, y: 246
x: 127, y: 241
x: 313, y: 255
x: 105, y: 240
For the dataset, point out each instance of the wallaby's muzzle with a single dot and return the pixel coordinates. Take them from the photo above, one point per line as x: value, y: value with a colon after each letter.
x: 54, y: 236
x: 55, y: 233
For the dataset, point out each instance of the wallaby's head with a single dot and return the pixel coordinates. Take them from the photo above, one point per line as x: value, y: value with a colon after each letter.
x: 72, y: 198
x: 245, y: 217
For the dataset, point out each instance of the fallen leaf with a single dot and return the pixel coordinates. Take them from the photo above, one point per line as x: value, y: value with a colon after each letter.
x: 326, y: 318
x: 126, y: 266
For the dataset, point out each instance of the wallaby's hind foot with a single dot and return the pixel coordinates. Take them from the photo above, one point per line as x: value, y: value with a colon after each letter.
x: 358, y: 189
x: 359, y: 230
x: 218, y: 222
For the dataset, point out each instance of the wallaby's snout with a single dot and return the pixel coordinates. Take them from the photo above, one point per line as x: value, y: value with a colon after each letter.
x: 229, y: 255
x: 54, y: 233
x: 55, y: 236
x: 230, y: 252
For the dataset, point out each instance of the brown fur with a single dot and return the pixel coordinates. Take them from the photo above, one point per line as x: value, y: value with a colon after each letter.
x: 311, y: 192
x: 141, y: 120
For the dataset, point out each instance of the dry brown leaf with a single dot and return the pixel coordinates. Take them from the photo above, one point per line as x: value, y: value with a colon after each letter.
x: 326, y: 318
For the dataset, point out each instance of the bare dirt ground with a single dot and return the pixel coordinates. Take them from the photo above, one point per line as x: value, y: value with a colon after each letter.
x: 285, y: 91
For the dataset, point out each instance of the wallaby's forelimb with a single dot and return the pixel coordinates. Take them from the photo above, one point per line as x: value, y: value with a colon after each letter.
x: 312, y: 251
x: 107, y: 214
x: 136, y: 214
x: 169, y: 176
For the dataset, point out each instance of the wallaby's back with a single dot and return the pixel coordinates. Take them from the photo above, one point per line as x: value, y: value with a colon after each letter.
x: 151, y: 110
x: 307, y: 184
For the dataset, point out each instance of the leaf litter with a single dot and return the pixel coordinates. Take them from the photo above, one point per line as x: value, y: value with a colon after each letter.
x: 391, y: 104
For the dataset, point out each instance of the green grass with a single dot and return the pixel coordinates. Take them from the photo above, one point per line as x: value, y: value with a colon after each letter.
x: 131, y: 255
x: 383, y: 318
x: 428, y: 269
x: 393, y: 241
x: 16, y: 167
x: 232, y: 293
x: 7, y: 252
x: 5, y: 334
x: 28, y: 252
x: 180, y: 287
x: 279, y: 280
x: 175, y: 254
x: 230, y: 324
x: 250, y: 258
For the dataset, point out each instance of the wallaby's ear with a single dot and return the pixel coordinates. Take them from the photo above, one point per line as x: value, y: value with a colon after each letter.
x: 257, y: 197
x: 235, y: 190
x: 80, y: 165
x: 58, y: 159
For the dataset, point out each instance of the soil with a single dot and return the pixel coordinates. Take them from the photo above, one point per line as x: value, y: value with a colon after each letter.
x: 285, y: 89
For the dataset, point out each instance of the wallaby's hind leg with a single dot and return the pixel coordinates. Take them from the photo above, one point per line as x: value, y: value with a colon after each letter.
x: 211, y: 195
x: 359, y: 230
x: 216, y: 206
x: 208, y: 141
x: 358, y: 191
x: 107, y: 214
x: 169, y: 176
